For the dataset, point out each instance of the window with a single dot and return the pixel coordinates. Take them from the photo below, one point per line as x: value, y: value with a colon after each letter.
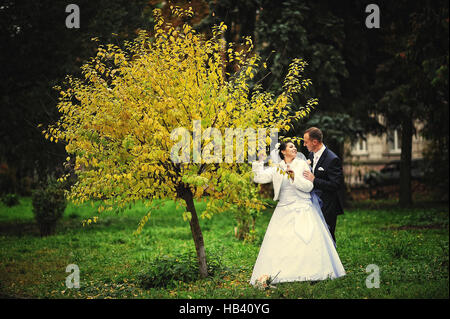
x: 360, y: 147
x: 394, y: 141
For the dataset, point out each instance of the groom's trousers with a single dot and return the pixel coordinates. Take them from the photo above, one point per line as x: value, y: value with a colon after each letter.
x: 331, y: 222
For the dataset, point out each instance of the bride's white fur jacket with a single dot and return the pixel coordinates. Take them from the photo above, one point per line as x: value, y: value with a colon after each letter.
x: 274, y: 174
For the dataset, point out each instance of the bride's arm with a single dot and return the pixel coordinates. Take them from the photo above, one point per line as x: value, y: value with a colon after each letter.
x: 300, y: 181
x: 261, y: 175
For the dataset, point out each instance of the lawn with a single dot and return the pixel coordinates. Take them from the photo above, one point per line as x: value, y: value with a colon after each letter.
x: 409, y: 247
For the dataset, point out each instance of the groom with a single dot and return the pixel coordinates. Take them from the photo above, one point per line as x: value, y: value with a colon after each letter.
x: 326, y: 176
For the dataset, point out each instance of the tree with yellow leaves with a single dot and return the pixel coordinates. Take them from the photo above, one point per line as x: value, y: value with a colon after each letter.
x: 120, y: 122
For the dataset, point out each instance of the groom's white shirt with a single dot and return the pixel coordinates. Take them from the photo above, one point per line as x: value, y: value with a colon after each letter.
x: 266, y: 175
x: 317, y: 156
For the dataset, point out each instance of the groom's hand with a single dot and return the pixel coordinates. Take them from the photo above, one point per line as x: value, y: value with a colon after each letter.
x: 308, y: 175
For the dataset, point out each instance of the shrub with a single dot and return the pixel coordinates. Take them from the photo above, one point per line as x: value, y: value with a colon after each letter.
x: 166, y: 271
x: 49, y: 204
x: 10, y: 200
x: 246, y: 219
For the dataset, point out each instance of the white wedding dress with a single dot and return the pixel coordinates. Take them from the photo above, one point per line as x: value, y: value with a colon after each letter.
x: 297, y: 245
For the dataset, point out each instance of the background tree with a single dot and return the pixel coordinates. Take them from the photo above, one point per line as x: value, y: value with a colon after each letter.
x: 324, y: 33
x: 314, y: 30
x: 346, y: 60
x: 38, y: 50
x: 411, y: 77
x: 121, y: 121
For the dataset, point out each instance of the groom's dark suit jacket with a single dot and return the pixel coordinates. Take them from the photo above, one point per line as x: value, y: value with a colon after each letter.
x: 329, y: 186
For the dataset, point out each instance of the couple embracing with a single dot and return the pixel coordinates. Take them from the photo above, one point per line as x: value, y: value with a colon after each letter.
x: 299, y: 244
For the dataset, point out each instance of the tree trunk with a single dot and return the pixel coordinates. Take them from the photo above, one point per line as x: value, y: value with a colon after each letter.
x: 196, y: 233
x: 405, y: 196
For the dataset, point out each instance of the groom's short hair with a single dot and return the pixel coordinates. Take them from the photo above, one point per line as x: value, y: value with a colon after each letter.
x: 315, y: 134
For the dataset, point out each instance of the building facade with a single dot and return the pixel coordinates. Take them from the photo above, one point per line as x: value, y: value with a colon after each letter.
x: 374, y: 152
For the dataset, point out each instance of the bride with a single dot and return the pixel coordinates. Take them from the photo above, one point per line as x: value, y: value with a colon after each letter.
x: 297, y: 245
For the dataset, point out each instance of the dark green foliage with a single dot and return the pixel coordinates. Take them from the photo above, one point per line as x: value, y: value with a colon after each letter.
x: 166, y: 271
x: 324, y: 33
x: 411, y: 84
x: 38, y: 51
x: 10, y: 200
x: 49, y: 204
x: 399, y: 71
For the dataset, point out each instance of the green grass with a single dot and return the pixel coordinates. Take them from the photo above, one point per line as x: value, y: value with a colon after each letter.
x: 410, y: 247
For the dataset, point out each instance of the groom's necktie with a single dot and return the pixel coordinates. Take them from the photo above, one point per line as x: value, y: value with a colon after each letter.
x: 315, y: 160
x: 314, y: 196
